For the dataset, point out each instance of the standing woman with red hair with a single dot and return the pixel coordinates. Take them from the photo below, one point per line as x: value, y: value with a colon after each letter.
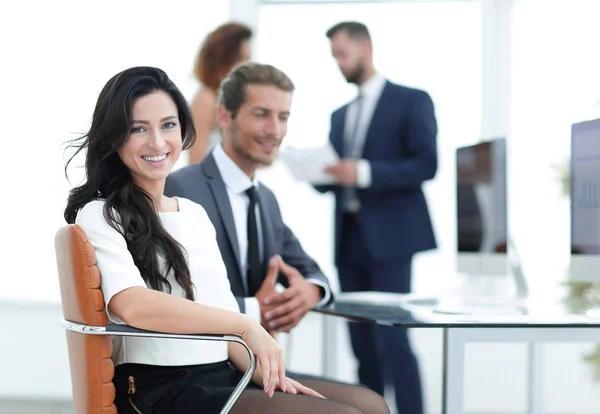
x: 223, y: 49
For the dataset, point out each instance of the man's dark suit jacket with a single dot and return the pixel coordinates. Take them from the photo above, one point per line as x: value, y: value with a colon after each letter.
x: 203, y: 184
x: 401, y: 148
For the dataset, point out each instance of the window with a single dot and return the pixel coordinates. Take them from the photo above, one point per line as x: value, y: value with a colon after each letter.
x: 556, y: 82
x: 432, y: 46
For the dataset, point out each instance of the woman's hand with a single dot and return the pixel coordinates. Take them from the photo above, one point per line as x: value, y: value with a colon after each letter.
x: 290, y: 386
x: 270, y: 366
x: 294, y: 387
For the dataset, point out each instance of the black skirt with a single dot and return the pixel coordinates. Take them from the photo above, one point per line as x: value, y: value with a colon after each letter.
x: 174, y: 389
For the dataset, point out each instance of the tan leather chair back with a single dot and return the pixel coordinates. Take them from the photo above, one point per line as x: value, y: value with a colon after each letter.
x: 82, y: 302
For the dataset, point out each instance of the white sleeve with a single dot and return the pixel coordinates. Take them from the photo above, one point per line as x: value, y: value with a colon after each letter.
x: 253, y: 309
x: 117, y: 269
x: 363, y: 173
x: 326, y: 289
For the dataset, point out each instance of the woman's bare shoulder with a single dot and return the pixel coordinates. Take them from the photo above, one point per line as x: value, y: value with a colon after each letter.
x: 204, y: 98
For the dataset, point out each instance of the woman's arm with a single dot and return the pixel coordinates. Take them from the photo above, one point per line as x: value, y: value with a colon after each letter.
x: 238, y: 356
x: 158, y: 311
x: 204, y: 113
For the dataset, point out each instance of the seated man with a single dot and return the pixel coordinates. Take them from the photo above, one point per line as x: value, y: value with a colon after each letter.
x: 256, y: 245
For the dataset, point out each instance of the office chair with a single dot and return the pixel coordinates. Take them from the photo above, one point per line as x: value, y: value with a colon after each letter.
x: 88, y: 329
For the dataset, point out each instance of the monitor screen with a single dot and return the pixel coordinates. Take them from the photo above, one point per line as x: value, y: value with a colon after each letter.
x: 481, y: 197
x: 585, y: 188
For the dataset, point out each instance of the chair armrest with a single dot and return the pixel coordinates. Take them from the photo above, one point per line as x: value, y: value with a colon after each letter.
x: 113, y: 329
x: 126, y: 330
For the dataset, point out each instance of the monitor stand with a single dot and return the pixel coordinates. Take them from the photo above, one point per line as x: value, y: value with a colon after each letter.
x: 502, y: 290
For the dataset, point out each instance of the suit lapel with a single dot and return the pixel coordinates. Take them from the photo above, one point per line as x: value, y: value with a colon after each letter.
x: 219, y: 192
x: 337, y: 136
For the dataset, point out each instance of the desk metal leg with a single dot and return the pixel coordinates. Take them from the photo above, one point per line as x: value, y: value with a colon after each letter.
x: 454, y: 371
x: 535, y: 384
x: 330, y: 333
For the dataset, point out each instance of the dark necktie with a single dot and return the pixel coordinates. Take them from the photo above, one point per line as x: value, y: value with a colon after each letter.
x: 254, y: 277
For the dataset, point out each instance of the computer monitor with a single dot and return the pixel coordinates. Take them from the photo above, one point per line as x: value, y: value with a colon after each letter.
x: 585, y: 201
x: 481, y: 205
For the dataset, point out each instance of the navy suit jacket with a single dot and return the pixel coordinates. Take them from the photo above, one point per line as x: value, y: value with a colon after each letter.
x: 203, y: 184
x: 401, y: 148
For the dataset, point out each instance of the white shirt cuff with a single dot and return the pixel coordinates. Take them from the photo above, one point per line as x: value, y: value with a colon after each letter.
x: 363, y: 173
x: 327, y: 295
x: 252, y: 309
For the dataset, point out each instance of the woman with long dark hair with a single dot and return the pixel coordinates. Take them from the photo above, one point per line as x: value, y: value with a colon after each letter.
x: 161, y: 268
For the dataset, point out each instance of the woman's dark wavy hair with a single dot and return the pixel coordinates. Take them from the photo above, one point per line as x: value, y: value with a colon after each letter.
x: 128, y: 208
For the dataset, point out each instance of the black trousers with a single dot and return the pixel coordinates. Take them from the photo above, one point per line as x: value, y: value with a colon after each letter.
x: 172, y: 389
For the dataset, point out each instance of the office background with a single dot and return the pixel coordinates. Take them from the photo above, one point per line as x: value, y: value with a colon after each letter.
x: 525, y: 69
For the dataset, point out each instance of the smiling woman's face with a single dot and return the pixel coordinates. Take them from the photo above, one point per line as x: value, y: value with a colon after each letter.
x: 154, y: 141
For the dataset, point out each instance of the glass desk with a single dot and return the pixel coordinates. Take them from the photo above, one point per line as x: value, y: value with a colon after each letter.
x: 534, y: 322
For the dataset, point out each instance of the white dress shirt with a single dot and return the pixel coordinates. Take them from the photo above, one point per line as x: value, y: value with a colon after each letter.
x: 370, y: 92
x: 236, y: 183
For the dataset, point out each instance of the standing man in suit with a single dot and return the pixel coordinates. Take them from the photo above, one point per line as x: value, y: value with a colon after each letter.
x: 386, y: 140
x: 256, y: 245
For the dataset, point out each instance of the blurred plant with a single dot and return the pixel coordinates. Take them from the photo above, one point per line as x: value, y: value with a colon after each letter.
x: 593, y: 358
x: 581, y: 295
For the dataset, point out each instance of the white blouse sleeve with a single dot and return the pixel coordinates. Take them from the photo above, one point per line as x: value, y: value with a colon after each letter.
x: 117, y: 269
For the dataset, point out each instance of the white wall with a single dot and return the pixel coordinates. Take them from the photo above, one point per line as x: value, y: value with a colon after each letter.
x: 556, y: 82
x: 33, y: 352
x: 56, y: 56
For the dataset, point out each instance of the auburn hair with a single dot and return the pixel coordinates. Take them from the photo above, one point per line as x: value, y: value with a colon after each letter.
x: 220, y: 51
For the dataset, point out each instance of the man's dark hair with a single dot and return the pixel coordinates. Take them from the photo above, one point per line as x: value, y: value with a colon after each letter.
x: 355, y: 30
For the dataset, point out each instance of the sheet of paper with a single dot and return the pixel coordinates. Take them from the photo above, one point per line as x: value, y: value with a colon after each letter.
x: 307, y: 164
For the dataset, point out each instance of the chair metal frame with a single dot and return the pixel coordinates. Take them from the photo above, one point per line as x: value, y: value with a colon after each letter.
x: 126, y: 330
